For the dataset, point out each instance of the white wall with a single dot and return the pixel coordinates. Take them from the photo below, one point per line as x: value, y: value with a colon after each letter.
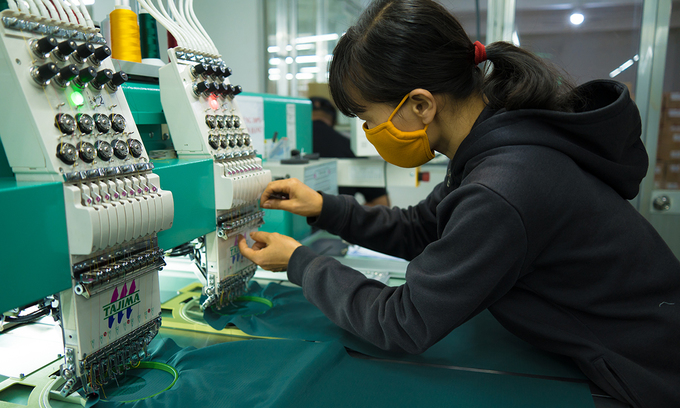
x: 237, y: 28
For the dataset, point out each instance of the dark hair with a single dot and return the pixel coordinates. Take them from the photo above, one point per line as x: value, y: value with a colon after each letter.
x: 324, y: 105
x: 400, y: 45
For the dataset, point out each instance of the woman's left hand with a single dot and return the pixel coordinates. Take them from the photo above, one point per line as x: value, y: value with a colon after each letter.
x: 271, y: 251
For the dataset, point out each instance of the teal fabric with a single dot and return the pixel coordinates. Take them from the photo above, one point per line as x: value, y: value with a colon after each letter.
x: 292, y: 373
x: 479, y: 343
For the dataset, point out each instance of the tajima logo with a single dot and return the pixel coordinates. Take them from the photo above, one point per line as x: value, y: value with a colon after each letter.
x: 121, y: 302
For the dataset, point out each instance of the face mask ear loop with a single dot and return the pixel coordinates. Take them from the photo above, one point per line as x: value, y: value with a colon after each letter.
x: 397, y: 108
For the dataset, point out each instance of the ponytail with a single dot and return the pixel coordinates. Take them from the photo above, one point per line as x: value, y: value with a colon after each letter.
x: 521, y: 80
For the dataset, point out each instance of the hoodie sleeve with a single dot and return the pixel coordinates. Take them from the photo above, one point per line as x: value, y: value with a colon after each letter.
x: 399, y: 232
x: 476, y: 261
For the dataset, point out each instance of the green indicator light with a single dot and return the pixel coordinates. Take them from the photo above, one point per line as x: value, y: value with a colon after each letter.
x: 77, y: 98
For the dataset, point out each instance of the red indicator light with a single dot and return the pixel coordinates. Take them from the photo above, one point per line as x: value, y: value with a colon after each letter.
x: 214, y: 104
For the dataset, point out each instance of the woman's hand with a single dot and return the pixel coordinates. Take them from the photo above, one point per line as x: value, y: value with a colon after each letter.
x: 271, y: 251
x: 293, y: 196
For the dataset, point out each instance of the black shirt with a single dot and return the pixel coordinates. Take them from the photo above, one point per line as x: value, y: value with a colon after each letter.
x: 533, y: 223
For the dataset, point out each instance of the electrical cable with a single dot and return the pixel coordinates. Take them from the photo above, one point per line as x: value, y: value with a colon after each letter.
x: 31, y: 317
x: 60, y: 9
x: 42, y: 8
x: 50, y: 7
x: 186, y: 35
x: 33, y: 8
x: 177, y: 15
x: 12, y: 5
x: 69, y: 11
x: 86, y: 14
x: 169, y: 25
x: 200, y: 27
x: 79, y: 15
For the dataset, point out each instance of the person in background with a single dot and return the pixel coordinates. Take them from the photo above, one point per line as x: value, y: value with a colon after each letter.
x: 330, y: 143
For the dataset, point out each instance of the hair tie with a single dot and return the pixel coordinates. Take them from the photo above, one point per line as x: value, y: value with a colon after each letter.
x: 480, y: 53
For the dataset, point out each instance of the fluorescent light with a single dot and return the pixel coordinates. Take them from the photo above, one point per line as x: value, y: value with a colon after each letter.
x: 515, y: 38
x: 274, y: 77
x: 306, y: 59
x: 315, y: 38
x: 274, y: 61
x: 289, y: 60
x: 312, y: 70
x: 576, y: 18
x: 303, y: 75
x: 289, y: 76
x: 274, y: 71
x: 624, y: 66
x: 304, y: 47
x: 273, y: 49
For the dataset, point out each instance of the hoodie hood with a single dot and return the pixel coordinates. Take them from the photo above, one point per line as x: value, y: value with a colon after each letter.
x: 602, y: 135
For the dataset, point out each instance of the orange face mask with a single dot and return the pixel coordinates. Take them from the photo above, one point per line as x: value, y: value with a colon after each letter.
x: 403, y: 149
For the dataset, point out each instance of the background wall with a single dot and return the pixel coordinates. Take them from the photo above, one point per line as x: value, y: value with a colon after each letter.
x: 237, y: 28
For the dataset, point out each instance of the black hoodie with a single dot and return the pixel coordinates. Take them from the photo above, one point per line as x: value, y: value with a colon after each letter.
x: 533, y: 223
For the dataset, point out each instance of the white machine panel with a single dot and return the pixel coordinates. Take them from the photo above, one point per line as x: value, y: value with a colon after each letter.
x: 67, y: 120
x: 204, y: 121
x: 320, y: 175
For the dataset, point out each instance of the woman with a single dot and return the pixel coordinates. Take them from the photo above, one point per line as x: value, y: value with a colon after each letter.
x: 531, y: 222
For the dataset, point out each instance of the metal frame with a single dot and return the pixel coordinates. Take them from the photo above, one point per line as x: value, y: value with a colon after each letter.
x: 656, y: 17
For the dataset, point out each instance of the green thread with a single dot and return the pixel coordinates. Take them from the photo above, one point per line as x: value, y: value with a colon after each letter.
x: 148, y: 33
x: 155, y: 366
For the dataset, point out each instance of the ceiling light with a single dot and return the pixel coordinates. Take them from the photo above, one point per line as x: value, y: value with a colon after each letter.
x: 576, y: 18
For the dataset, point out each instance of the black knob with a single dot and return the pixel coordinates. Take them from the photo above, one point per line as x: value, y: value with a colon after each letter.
x: 102, y: 53
x: 229, y: 120
x: 237, y: 122
x: 46, y: 44
x: 246, y: 139
x: 45, y: 72
x: 102, y: 122
x: 227, y: 71
x: 200, y: 87
x: 135, y: 147
x: 67, y: 153
x: 213, y: 89
x: 237, y: 90
x: 117, y: 122
x: 67, y: 47
x: 65, y: 123
x: 219, y: 71
x: 85, y: 50
x: 214, y: 141
x: 220, y: 121
x: 85, y: 123
x: 239, y: 142
x: 104, y: 150
x: 86, y: 152
x: 102, y: 78
x: 199, y: 69
x: 68, y: 73
x: 210, y: 121
x: 119, y: 78
x: 210, y: 69
x: 223, y: 142
x: 120, y: 148
x: 228, y: 90
x: 87, y: 74
x: 232, y: 142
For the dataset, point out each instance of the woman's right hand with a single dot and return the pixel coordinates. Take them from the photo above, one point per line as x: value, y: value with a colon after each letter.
x: 293, y: 196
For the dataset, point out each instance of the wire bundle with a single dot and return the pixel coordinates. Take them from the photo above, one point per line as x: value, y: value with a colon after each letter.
x: 71, y: 11
x: 125, y: 43
x: 180, y: 21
